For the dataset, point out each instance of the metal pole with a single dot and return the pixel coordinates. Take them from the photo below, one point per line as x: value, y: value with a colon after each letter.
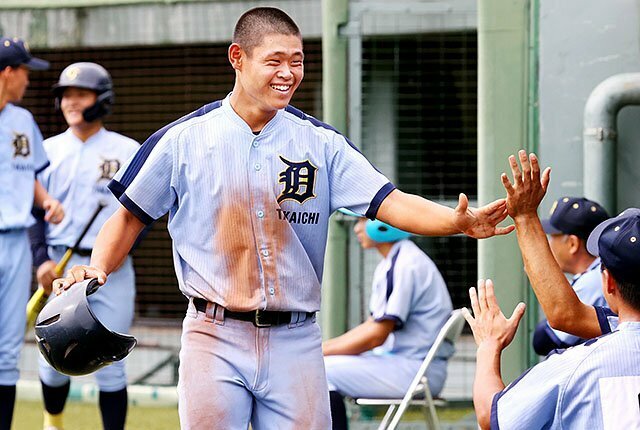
x: 600, y: 136
x: 502, y: 130
x: 333, y: 315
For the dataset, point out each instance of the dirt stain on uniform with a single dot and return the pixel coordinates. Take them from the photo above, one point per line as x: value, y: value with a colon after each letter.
x: 276, y: 236
x: 234, y: 243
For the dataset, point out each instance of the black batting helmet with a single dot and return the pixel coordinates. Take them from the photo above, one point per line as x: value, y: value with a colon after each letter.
x: 90, y: 76
x: 71, y: 338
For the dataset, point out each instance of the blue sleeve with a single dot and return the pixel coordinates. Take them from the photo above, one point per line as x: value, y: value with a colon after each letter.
x: 400, y: 290
x: 354, y: 183
x: 145, y: 184
x: 607, y: 319
x: 37, y: 237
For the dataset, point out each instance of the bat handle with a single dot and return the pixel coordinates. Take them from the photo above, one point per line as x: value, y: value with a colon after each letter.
x: 35, y: 305
x: 59, y: 269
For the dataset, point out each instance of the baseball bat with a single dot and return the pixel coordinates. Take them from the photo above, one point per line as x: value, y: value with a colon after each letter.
x: 40, y: 297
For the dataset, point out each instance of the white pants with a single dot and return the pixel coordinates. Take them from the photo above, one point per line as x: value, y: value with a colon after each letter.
x: 380, y: 376
x: 233, y: 373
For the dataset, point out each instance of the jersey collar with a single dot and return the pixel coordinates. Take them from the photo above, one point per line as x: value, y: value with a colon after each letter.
x: 240, y: 123
x: 93, y: 138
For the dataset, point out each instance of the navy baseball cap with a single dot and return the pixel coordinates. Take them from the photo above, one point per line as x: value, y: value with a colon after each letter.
x: 574, y: 215
x: 617, y: 242
x: 15, y: 52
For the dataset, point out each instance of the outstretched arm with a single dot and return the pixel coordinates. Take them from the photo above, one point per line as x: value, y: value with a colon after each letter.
x: 560, y: 304
x: 421, y: 216
x: 368, y: 335
x: 492, y: 332
x: 115, y: 239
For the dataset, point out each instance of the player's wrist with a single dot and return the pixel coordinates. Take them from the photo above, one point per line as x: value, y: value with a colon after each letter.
x: 525, y: 218
x: 490, y: 346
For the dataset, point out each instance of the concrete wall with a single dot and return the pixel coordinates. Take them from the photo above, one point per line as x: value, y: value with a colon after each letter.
x: 582, y: 42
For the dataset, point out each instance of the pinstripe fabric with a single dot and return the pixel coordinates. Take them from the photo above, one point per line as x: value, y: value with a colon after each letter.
x: 77, y: 177
x: 564, y: 391
x: 249, y: 214
x: 408, y: 288
x: 21, y: 156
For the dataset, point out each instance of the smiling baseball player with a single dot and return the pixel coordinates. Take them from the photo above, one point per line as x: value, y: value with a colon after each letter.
x: 21, y: 156
x: 249, y: 183
x: 83, y: 160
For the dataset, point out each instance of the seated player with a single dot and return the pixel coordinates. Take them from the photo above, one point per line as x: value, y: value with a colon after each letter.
x: 409, y: 305
x: 594, y: 385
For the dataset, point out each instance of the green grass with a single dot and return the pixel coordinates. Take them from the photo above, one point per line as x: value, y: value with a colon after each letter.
x: 83, y: 416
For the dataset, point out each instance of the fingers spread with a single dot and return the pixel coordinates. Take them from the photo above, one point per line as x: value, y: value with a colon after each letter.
x: 506, y: 183
x: 546, y: 176
x: 535, y: 167
x: 467, y: 316
x: 526, y: 167
x: 499, y: 231
x: 515, y: 170
x: 482, y: 296
x: 518, y: 312
x: 473, y: 296
x: 463, y: 204
x: 492, y: 303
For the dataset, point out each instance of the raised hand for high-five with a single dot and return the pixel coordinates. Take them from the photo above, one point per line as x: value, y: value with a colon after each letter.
x: 488, y: 323
x: 481, y: 222
x: 528, y: 188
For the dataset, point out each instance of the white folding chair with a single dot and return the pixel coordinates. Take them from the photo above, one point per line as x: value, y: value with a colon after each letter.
x: 418, y: 392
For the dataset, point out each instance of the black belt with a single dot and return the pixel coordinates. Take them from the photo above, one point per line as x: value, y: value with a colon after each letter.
x: 259, y: 318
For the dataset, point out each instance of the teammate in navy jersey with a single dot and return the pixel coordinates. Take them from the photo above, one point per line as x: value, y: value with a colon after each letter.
x: 83, y: 160
x: 409, y: 304
x: 249, y: 183
x: 21, y: 157
x: 594, y: 385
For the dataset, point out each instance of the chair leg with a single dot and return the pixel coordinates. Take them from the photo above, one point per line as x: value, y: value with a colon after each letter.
x: 387, y: 416
x: 430, y: 410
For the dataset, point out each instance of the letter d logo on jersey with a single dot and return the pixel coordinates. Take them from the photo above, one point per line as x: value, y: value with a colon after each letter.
x: 21, y: 145
x: 298, y: 179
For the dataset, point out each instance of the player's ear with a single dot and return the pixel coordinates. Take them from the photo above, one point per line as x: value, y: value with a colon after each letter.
x: 608, y: 282
x: 235, y: 56
x: 575, y: 243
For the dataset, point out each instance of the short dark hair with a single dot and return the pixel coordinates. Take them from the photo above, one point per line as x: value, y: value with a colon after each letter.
x: 256, y: 23
x: 629, y: 290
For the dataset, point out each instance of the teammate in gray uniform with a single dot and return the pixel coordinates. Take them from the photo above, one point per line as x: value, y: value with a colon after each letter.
x: 571, y: 221
x: 594, y: 385
x: 83, y: 160
x: 409, y: 304
x: 21, y: 156
x: 249, y: 183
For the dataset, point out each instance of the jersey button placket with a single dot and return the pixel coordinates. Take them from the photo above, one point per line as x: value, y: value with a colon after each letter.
x: 256, y: 190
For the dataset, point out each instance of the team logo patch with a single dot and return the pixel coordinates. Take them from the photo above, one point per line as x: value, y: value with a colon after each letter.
x: 108, y: 169
x: 72, y: 73
x: 298, y: 180
x: 21, y: 145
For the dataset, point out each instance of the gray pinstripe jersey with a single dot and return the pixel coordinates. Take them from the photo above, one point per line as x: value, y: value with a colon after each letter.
x: 248, y: 213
